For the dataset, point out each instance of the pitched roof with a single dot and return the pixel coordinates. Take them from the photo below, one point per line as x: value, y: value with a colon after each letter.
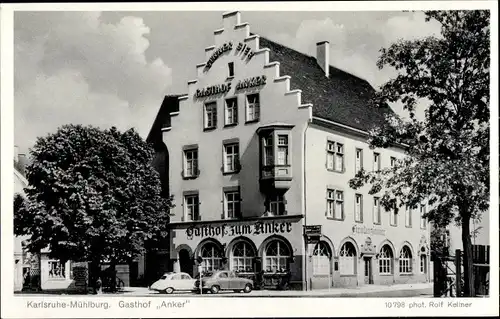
x: 341, y: 97
x: 170, y: 104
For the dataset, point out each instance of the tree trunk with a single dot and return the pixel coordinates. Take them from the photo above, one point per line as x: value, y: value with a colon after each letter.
x: 467, y: 261
x: 95, y: 276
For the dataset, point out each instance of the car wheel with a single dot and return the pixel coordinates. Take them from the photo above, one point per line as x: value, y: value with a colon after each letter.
x: 236, y: 290
x: 247, y: 288
x: 169, y: 290
x: 215, y: 289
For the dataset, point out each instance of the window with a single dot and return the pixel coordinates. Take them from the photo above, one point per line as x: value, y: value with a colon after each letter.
x: 423, y: 264
x: 393, y: 217
x: 243, y: 255
x: 191, y: 163
x: 358, y: 210
x: 268, y: 151
x: 282, y: 150
x: 376, y: 161
x: 376, y: 210
x: 393, y: 161
x: 211, y: 115
x: 321, y: 259
x: 408, y: 213
x: 253, y: 107
x: 385, y: 260
x: 347, y: 259
x: 230, y: 67
x: 231, y: 158
x: 277, y: 254
x: 211, y: 258
x: 359, y: 160
x: 423, y: 220
x: 335, y: 156
x: 335, y: 204
x: 276, y: 204
x: 191, y: 203
x: 231, y: 111
x: 405, y: 260
x: 57, y: 269
x: 232, y: 204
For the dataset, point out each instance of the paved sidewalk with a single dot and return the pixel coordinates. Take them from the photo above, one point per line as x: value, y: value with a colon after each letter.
x: 401, y: 291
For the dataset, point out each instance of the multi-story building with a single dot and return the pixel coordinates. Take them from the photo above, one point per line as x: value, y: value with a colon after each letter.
x: 259, y: 154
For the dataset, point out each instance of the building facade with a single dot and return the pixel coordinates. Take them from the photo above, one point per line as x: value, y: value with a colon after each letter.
x: 260, y: 153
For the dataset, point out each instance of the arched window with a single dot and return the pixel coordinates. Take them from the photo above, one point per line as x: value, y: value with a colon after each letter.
x: 405, y: 261
x: 211, y: 256
x: 277, y: 254
x: 385, y: 260
x: 423, y: 263
x: 243, y: 255
x: 321, y: 259
x: 347, y: 259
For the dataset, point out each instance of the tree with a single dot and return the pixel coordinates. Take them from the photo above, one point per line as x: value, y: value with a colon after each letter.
x: 92, y: 196
x: 447, y: 162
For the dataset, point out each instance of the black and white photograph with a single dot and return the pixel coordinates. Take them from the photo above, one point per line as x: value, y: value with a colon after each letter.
x: 163, y: 158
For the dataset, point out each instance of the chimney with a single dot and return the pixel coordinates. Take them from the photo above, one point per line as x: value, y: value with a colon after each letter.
x: 323, y: 56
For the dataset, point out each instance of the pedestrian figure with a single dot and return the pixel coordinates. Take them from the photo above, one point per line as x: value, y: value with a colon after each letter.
x: 98, y: 285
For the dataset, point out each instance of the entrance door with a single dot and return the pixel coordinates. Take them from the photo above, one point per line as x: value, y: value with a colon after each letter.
x: 185, y: 262
x: 368, y: 270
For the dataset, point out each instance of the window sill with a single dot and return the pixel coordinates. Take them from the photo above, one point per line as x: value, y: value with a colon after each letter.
x: 408, y: 226
x: 335, y: 171
x: 348, y: 276
x: 406, y: 274
x: 377, y: 224
x: 252, y: 121
x: 231, y: 172
x: 386, y: 275
x: 394, y: 225
x: 230, y: 77
x: 208, y: 129
x: 359, y: 221
x: 333, y: 218
x: 230, y: 125
x: 190, y: 177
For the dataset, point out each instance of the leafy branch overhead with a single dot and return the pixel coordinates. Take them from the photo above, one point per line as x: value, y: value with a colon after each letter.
x: 447, y: 162
x: 448, y: 151
x: 92, y: 194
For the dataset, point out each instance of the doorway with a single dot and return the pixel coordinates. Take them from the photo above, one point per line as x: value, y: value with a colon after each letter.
x: 185, y: 261
x: 368, y: 270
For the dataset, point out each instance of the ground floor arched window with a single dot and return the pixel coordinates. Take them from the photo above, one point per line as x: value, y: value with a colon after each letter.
x: 405, y: 261
x: 385, y: 260
x: 242, y: 257
x: 276, y: 256
x: 347, y: 258
x: 212, y: 258
x: 321, y: 259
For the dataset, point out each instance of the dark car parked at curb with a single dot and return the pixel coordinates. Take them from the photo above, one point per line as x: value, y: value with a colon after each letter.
x: 224, y: 280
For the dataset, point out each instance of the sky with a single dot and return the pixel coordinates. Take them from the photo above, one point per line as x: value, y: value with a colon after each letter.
x: 113, y: 68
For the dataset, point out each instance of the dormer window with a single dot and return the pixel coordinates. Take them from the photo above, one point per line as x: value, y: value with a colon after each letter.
x: 230, y: 68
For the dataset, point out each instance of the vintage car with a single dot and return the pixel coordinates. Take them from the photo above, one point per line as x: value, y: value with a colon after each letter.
x: 170, y: 282
x: 224, y: 280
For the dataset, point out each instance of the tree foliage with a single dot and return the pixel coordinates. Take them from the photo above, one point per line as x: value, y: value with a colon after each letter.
x: 92, y: 196
x: 448, y: 151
